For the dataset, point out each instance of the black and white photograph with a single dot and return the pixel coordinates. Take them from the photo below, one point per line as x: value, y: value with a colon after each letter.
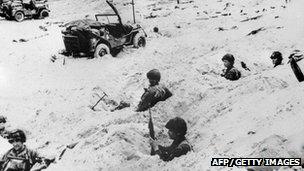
x: 158, y: 85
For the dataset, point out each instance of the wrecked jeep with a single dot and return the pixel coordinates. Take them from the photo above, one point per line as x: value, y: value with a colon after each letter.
x: 19, y: 10
x: 101, y: 37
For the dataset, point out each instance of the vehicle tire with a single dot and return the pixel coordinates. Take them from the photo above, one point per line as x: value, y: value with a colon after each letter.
x: 139, y: 40
x: 101, y: 50
x: 43, y: 13
x: 19, y: 16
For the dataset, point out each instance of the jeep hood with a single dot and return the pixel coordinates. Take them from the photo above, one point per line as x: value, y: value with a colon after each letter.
x: 83, y: 23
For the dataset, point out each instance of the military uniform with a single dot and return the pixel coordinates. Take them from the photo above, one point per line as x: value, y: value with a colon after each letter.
x: 176, y: 149
x: 22, y: 160
x: 152, y: 95
x: 232, y: 74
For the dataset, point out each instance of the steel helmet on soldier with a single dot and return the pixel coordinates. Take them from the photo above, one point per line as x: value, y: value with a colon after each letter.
x: 153, y: 74
x: 177, y: 125
x: 18, y: 135
x: 229, y: 57
x: 276, y: 55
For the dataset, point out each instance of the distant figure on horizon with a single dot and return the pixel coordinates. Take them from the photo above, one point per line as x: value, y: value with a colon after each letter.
x: 154, y: 93
x: 276, y: 58
x: 230, y: 73
x: 177, y: 129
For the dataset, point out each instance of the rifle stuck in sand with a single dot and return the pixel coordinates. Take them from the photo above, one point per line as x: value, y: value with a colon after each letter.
x: 151, y: 131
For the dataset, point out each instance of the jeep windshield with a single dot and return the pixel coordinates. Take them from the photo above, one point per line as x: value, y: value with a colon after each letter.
x: 107, y: 18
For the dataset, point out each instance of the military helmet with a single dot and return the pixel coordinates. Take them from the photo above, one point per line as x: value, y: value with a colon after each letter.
x: 18, y: 135
x: 177, y: 125
x: 229, y: 57
x: 276, y: 55
x: 153, y: 74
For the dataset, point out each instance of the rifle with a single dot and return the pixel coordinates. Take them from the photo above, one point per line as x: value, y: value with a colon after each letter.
x: 38, y: 159
x: 151, y: 131
x: 45, y: 160
x: 295, y: 68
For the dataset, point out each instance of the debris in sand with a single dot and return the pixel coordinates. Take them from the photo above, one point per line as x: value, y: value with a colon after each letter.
x: 56, y: 22
x: 53, y: 58
x: 227, y: 5
x: 155, y: 29
x: 256, y: 31
x: 26, y: 40
x: 21, y: 40
x: 234, y: 27
x: 151, y: 15
x: 276, y: 16
x: 226, y: 14
x: 156, y: 9
x: 243, y: 64
x: 202, y: 18
x: 251, y: 132
x: 252, y: 18
x: 70, y: 146
x: 221, y: 29
x: 43, y: 28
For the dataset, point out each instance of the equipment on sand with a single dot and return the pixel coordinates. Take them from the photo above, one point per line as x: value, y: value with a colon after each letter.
x: 151, y: 131
x: 92, y: 107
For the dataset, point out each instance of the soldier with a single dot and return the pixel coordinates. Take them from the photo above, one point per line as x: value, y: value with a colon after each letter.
x: 154, y: 93
x: 20, y: 158
x: 230, y: 73
x: 3, y: 132
x: 2, y: 122
x: 180, y: 146
x: 276, y: 58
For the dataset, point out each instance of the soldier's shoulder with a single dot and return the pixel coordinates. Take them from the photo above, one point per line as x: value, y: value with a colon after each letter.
x: 185, y: 145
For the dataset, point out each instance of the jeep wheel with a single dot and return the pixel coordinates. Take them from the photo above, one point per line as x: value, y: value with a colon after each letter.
x: 43, y: 13
x: 19, y: 16
x: 101, y: 50
x: 139, y: 40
